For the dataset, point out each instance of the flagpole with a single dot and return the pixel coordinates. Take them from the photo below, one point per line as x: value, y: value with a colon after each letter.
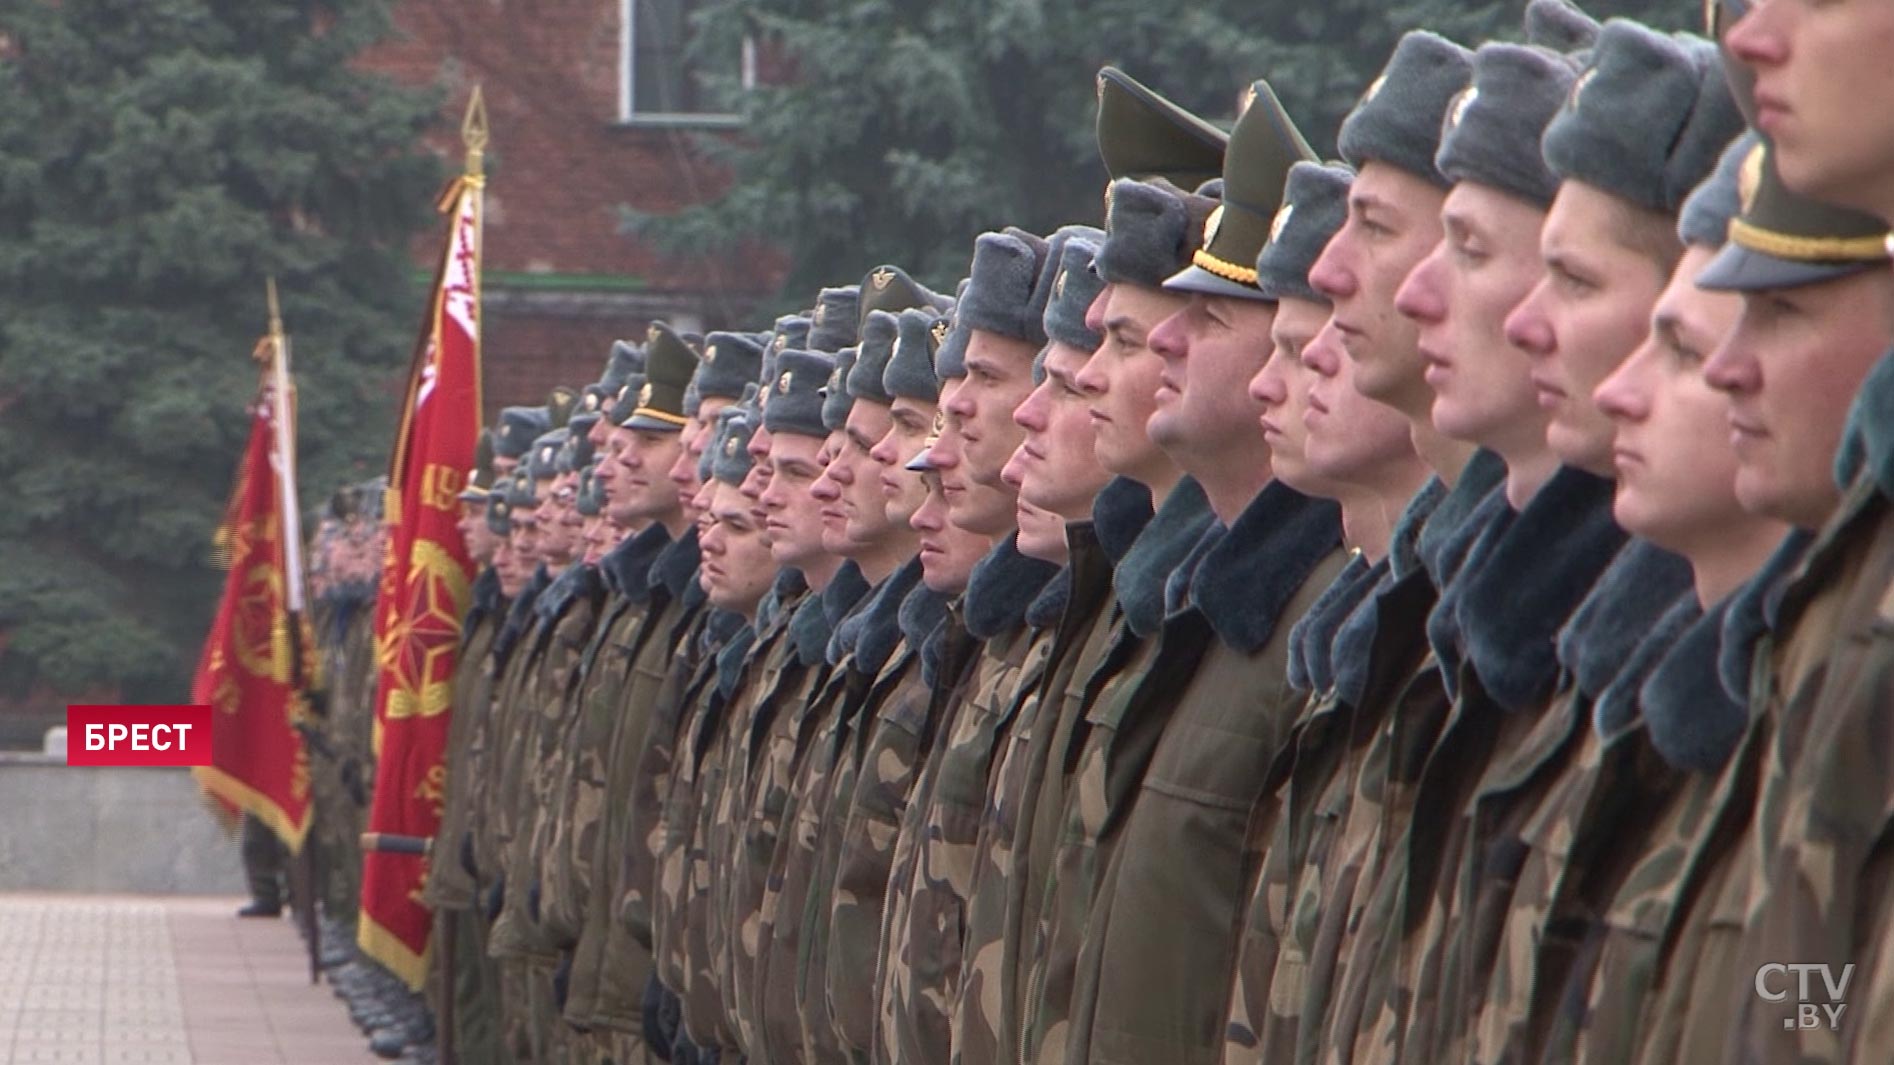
x: 286, y: 454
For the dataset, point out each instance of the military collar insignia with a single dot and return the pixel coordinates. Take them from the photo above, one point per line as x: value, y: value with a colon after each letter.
x: 939, y: 329
x: 1211, y: 225
x: 882, y: 278
x: 644, y: 395
x: 1281, y: 221
x: 1459, y: 111
x: 782, y: 384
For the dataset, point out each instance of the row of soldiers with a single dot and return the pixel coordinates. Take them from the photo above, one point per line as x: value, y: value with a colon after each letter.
x: 1433, y: 607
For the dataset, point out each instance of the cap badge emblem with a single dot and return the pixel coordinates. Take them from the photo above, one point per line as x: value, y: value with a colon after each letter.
x: 1374, y: 88
x: 782, y: 384
x: 1211, y: 225
x: 730, y: 446
x: 1058, y: 286
x: 882, y: 278
x: 1282, y: 221
x: 651, y: 333
x: 644, y: 395
x: 1460, y: 106
x: 1578, y: 87
x: 939, y: 329
x: 782, y: 341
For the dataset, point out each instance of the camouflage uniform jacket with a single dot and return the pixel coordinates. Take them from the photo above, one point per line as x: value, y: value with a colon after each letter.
x: 1505, y: 885
x: 511, y: 652
x: 875, y: 650
x: 879, y: 777
x: 1341, y: 656
x: 1290, y: 829
x: 1122, y: 718
x: 695, y: 770
x: 1821, y: 852
x: 348, y: 729
x: 920, y: 955
x: 1402, y: 722
x: 567, y: 612
x: 985, y: 1024
x: 582, y: 859
x: 450, y: 882
x: 1631, y: 953
x: 766, y: 1013
x: 706, y: 1015
x: 591, y: 688
x: 787, y: 682
x: 640, y: 763
x: 1515, y: 596
x: 1183, y: 871
x: 757, y: 711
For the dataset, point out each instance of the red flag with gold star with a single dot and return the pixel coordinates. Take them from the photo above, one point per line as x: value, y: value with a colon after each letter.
x: 426, y: 586
x: 256, y: 661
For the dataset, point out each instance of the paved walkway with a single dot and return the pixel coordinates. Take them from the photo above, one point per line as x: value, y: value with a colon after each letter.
x: 140, y: 980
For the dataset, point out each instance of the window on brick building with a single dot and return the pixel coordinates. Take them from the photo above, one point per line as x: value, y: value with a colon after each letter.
x: 662, y: 79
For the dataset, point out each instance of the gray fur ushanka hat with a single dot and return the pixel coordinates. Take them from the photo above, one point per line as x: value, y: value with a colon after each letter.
x: 1074, y: 288
x: 1492, y: 130
x: 999, y: 294
x: 796, y: 403
x: 835, y: 398
x: 1705, y: 218
x: 1151, y: 232
x: 1647, y: 120
x: 1315, y: 205
x: 1399, y: 118
x: 836, y: 321
x: 871, y: 359
x: 910, y: 373
x: 730, y: 362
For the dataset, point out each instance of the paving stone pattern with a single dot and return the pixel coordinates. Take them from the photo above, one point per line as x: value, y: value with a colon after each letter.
x: 127, y: 980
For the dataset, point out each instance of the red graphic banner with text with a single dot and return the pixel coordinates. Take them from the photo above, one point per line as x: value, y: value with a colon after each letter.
x: 426, y: 585
x: 256, y: 661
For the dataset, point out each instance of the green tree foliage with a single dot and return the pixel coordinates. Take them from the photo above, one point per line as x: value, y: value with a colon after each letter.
x: 901, y: 129
x: 158, y: 159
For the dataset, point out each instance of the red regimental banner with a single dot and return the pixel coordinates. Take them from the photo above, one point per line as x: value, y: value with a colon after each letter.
x: 255, y: 656
x: 426, y: 586
x: 139, y: 735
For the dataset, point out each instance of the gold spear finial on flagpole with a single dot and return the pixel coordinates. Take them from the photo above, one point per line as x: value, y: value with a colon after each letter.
x: 276, y: 310
x: 473, y: 133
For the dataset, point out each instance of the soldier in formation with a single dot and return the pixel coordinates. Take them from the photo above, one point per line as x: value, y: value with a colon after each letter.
x: 1432, y: 606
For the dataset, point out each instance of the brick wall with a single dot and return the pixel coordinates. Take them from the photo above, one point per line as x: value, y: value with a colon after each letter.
x: 560, y: 165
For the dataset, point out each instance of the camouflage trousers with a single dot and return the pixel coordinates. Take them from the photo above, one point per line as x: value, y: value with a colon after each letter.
x: 474, y: 988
